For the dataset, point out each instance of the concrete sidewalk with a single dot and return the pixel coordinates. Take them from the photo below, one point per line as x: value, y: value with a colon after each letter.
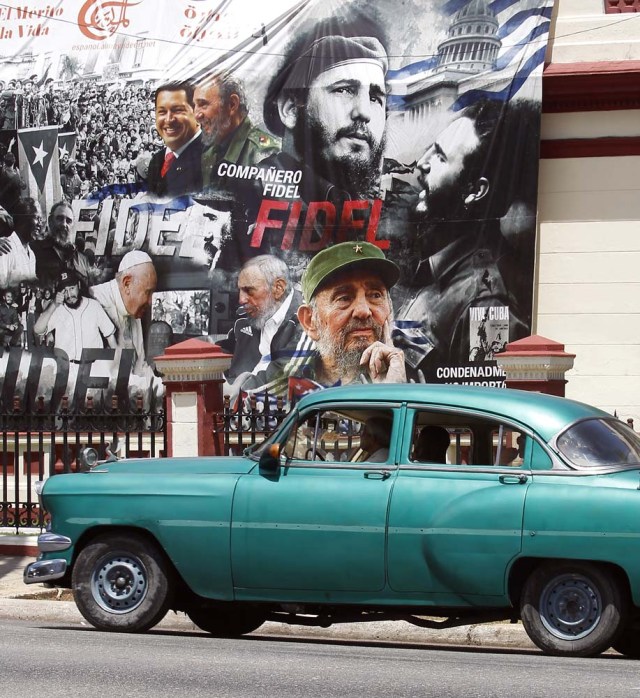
x: 39, y: 604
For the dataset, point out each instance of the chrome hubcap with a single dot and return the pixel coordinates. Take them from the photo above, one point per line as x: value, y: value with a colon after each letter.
x: 119, y: 583
x: 570, y: 607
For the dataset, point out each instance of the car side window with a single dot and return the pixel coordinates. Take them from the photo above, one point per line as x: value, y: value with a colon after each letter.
x: 341, y: 436
x: 432, y: 443
x: 508, y: 446
x: 451, y: 439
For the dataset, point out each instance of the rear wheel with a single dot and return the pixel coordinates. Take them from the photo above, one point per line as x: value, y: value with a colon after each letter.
x: 572, y: 609
x: 121, y: 583
x: 226, y: 620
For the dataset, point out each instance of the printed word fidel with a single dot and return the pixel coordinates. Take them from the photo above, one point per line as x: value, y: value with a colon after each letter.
x: 311, y: 228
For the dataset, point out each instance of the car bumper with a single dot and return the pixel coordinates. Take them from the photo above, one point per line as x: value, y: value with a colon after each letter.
x: 48, y: 570
x: 44, y: 571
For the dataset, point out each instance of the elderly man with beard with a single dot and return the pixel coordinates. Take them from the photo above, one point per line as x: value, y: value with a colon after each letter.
x: 78, y: 322
x: 464, y: 257
x: 263, y: 341
x: 329, y: 105
x: 220, y: 107
x: 347, y: 313
x: 55, y: 252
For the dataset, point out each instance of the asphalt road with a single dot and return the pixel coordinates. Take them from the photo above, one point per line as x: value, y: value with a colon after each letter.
x: 69, y: 659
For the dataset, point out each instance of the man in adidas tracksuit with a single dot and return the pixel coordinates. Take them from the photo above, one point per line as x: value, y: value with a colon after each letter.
x: 263, y: 340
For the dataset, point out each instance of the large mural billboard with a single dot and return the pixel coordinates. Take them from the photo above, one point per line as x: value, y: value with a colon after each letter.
x: 332, y: 191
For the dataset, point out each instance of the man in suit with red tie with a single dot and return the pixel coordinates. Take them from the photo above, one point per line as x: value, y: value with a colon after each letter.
x: 176, y: 169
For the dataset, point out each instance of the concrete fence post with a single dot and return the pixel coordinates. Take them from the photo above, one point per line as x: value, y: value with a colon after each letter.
x: 537, y: 364
x: 192, y: 373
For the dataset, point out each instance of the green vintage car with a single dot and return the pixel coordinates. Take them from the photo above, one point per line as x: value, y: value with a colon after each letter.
x: 370, y: 502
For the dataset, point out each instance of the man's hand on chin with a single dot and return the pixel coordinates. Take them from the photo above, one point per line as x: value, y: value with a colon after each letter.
x: 384, y: 363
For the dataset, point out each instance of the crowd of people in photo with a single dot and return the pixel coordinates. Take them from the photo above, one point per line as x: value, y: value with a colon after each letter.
x: 114, y: 127
x: 115, y: 137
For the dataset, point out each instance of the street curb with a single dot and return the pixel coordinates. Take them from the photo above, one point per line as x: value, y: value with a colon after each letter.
x: 494, y: 635
x: 19, y: 545
x: 18, y: 550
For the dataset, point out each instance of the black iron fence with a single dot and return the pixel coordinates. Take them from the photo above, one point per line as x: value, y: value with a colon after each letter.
x: 36, y: 443
x: 249, y: 421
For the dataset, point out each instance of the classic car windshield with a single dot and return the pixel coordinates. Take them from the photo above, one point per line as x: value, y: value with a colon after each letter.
x: 598, y: 442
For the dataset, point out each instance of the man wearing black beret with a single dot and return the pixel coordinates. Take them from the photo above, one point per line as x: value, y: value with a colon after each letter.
x: 328, y: 103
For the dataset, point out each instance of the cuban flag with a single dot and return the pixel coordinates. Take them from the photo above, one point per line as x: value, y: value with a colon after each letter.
x: 523, y: 33
x: 517, y: 42
x: 67, y: 145
x: 39, y: 165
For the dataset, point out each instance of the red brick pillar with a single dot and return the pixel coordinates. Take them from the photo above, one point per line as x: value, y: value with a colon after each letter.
x: 537, y: 364
x: 192, y: 374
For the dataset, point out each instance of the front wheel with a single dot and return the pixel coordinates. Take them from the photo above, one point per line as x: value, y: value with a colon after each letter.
x: 572, y: 609
x: 121, y: 583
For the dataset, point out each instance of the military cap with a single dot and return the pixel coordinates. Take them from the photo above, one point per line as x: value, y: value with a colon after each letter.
x: 347, y: 256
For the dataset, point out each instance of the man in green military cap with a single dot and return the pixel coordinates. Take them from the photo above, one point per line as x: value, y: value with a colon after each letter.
x: 347, y: 313
x: 227, y: 132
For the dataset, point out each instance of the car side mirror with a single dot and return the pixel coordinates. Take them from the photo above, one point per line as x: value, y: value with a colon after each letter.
x: 270, y: 459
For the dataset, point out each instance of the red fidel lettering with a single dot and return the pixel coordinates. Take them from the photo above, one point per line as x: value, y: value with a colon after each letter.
x: 318, y: 224
x: 372, y: 228
x: 263, y: 222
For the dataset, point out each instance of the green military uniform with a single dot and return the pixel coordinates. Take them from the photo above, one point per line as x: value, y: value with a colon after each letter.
x: 248, y: 146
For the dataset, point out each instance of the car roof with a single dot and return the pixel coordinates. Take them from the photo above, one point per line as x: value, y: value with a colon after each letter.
x: 545, y: 414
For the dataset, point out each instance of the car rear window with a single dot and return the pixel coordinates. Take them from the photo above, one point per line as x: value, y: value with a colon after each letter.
x: 600, y: 442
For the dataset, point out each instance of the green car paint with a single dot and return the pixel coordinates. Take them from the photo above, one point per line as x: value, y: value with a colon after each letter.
x: 397, y: 533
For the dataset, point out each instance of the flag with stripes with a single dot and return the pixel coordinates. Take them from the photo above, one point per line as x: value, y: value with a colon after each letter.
x: 500, y: 64
x: 39, y: 165
x: 67, y: 145
x: 523, y: 32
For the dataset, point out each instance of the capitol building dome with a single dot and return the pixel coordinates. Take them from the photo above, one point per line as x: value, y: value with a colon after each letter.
x: 472, y: 42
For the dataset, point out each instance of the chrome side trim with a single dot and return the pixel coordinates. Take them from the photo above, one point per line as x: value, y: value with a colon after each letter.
x: 44, y: 571
x: 52, y: 542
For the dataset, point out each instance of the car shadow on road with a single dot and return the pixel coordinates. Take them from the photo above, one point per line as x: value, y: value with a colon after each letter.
x: 293, y: 639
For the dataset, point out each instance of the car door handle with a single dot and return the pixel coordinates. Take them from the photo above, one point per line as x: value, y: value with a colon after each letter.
x: 377, y: 474
x: 513, y: 479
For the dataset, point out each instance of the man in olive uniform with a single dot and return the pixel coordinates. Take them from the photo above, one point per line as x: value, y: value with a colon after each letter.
x: 227, y: 131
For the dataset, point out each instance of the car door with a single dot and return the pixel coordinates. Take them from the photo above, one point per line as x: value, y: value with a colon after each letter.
x: 319, y: 523
x: 455, y: 526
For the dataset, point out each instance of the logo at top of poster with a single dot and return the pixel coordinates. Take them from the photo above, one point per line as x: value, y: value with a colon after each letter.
x: 100, y: 19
